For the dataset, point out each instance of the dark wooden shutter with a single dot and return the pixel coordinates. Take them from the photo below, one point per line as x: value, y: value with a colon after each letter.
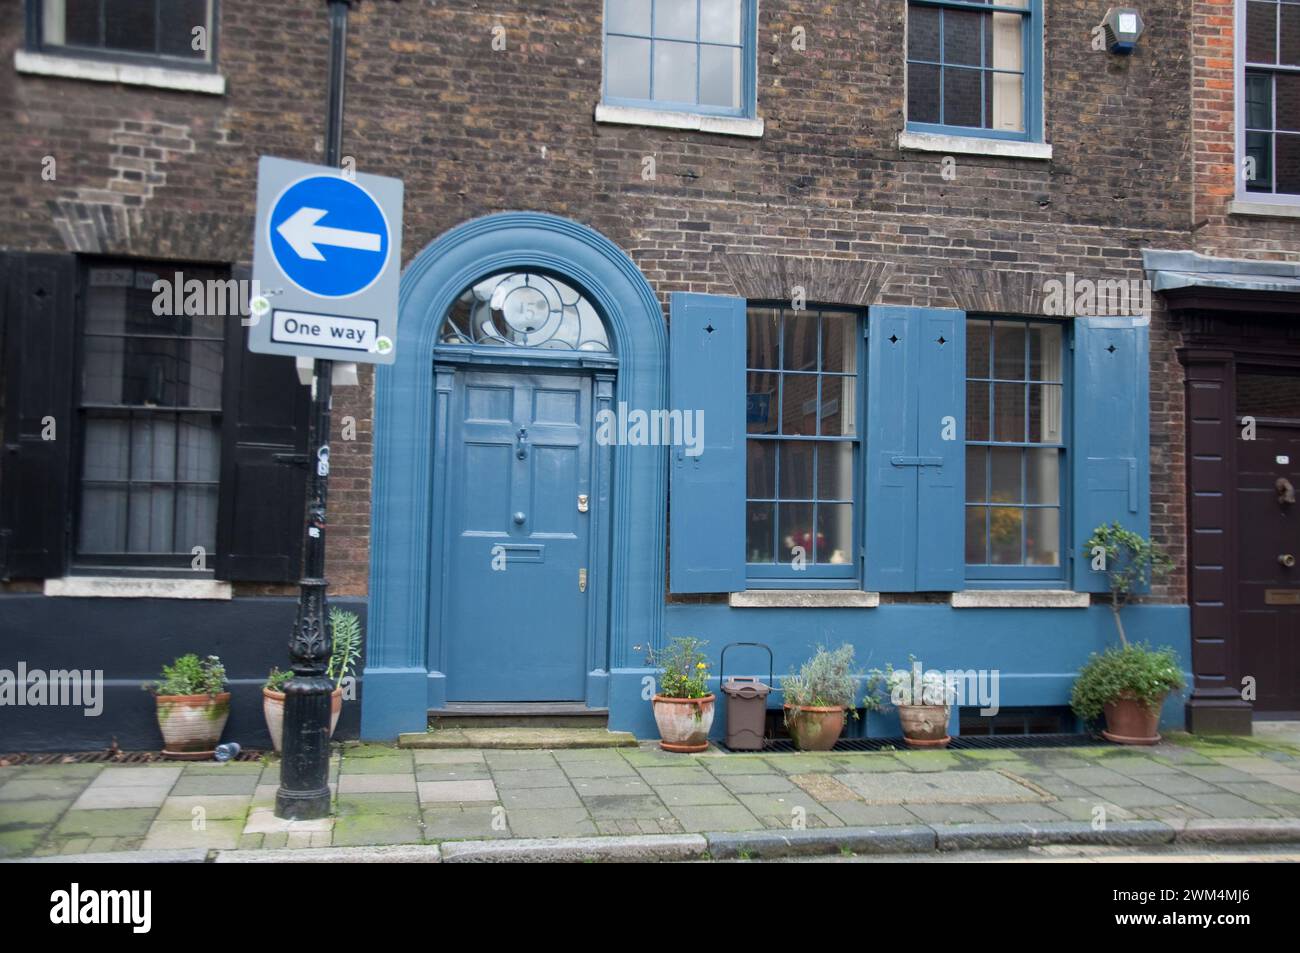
x: 706, y: 551
x: 263, y: 493
x: 39, y: 299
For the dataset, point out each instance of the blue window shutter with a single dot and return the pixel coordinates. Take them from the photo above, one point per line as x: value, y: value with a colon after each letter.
x: 890, y: 507
x: 707, y: 502
x: 941, y: 436
x: 1111, y: 471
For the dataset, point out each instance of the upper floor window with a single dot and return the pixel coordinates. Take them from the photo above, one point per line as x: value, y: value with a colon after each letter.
x: 1269, y: 96
x: 975, y: 68
x: 687, y: 55
x: 1015, y: 449
x: 172, y: 32
x: 802, y: 447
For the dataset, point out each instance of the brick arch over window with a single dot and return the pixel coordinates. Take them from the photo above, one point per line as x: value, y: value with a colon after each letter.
x: 400, y: 681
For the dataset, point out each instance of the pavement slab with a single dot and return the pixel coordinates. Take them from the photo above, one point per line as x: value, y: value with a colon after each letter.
x: 977, y: 787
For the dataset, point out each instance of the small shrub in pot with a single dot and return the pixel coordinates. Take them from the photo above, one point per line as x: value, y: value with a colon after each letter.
x: 817, y: 697
x: 684, y: 706
x: 192, y: 706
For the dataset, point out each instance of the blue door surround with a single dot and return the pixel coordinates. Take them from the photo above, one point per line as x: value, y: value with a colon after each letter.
x: 413, y: 407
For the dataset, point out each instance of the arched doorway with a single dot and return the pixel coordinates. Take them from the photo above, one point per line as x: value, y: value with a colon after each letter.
x: 513, y: 558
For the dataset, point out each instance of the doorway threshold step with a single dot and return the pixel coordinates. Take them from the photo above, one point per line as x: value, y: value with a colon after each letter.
x: 518, y: 715
x: 517, y: 738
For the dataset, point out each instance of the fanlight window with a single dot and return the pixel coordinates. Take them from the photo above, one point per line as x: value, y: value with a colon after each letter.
x: 525, y: 309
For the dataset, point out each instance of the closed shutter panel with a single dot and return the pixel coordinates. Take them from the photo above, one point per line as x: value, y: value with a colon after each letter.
x: 707, y: 501
x: 39, y: 327
x: 941, y: 437
x: 263, y: 491
x: 1111, y: 472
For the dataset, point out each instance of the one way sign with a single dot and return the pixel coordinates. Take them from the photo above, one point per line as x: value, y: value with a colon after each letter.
x: 326, y: 262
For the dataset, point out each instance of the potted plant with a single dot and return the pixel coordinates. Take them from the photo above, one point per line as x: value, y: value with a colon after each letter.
x: 346, y: 629
x: 1128, y: 683
x: 817, y: 697
x: 923, y: 700
x: 192, y: 707
x: 683, y: 707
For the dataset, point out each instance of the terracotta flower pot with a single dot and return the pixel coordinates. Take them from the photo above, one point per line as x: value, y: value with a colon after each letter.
x: 925, y: 726
x: 814, y: 729
x: 684, y: 723
x: 1129, y: 722
x: 192, y: 724
x: 273, y: 709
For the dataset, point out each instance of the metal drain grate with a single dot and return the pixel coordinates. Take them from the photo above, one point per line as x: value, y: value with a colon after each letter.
x: 966, y: 742
x: 104, y: 757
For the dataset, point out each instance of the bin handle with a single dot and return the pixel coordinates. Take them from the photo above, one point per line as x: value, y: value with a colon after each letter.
x: 722, y: 662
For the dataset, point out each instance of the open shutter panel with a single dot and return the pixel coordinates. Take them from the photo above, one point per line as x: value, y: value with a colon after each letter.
x: 39, y: 301
x: 1111, y: 471
x: 263, y: 465
x: 893, y: 338
x: 941, y: 445
x: 707, y: 502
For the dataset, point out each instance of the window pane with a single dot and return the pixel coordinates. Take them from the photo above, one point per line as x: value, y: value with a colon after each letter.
x: 1259, y: 101
x: 177, y: 20
x: 1043, y: 537
x: 1006, y: 101
x: 923, y: 33
x: 923, y: 93
x: 675, y: 19
x: 103, y: 520
x: 977, y: 348
x: 1045, y: 352
x: 762, y: 401
x: 761, y: 469
x: 961, y: 36
x: 1004, y: 49
x: 720, y: 21
x: 675, y: 67
x: 720, y: 76
x: 153, y: 448
x: 627, y: 68
x: 800, y: 341
x: 976, y: 535
x: 198, y: 457
x: 80, y: 26
x: 977, y: 474
x: 1289, y: 35
x: 1288, y: 164
x: 196, y: 518
x: 1005, y: 475
x: 796, y: 470
x: 799, y: 405
x: 758, y: 532
x: 1042, y: 476
x: 1009, y: 412
x: 977, y: 410
x: 834, y: 533
x: 1259, y: 146
x: 839, y: 342
x: 627, y: 16
x: 1045, y: 413
x: 763, y: 325
x: 106, y: 454
x: 1261, y: 32
x: 1009, y: 351
x: 837, y: 417
x: 1006, y: 526
x: 835, y: 471
x: 1288, y: 101
x: 129, y: 25
x: 962, y: 97
x: 796, y: 529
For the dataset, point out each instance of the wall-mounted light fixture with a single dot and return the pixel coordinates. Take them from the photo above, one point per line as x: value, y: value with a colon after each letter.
x: 1123, y: 26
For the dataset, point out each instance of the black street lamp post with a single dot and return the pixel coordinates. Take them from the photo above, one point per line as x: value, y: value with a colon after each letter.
x: 304, y: 767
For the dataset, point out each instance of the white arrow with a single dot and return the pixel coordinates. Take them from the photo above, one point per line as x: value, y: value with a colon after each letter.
x: 303, y: 235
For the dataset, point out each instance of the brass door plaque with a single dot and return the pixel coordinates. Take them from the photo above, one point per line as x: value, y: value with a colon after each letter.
x: 1282, y: 597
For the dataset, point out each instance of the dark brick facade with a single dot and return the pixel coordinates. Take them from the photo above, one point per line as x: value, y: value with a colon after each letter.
x: 825, y: 199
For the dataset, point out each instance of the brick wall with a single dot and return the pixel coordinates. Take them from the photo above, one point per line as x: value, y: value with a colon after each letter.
x: 825, y: 196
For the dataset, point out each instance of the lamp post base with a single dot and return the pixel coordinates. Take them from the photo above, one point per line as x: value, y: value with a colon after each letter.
x: 302, y: 805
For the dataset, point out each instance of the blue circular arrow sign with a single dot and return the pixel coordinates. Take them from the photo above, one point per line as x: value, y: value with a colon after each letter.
x: 329, y: 236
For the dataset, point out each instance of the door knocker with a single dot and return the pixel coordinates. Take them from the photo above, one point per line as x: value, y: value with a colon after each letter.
x: 1285, y: 491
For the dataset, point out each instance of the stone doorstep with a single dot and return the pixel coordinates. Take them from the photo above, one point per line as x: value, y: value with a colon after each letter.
x: 518, y: 738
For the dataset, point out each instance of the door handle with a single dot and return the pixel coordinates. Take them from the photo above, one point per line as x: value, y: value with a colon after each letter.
x: 1287, y: 560
x: 521, y: 443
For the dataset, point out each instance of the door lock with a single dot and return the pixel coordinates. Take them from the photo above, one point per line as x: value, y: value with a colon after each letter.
x: 1287, y: 560
x: 583, y: 503
x: 582, y: 579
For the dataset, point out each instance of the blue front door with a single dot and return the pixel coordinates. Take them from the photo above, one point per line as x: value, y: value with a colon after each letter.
x: 517, y: 585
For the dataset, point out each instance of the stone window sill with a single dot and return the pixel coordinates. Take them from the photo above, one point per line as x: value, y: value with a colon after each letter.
x: 803, y: 599
x: 126, y: 587
x: 668, y: 119
x: 130, y: 74
x: 1267, y: 209
x: 1020, y: 599
x: 973, y: 145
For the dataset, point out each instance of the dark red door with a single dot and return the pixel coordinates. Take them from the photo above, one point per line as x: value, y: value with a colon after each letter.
x: 1268, y: 549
